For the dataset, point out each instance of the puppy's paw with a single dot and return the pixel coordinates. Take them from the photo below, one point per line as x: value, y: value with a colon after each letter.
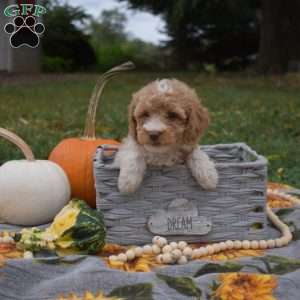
x: 209, y: 178
x: 128, y: 184
x: 203, y: 169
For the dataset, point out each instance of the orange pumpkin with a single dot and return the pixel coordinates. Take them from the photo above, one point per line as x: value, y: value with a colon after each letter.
x: 75, y: 155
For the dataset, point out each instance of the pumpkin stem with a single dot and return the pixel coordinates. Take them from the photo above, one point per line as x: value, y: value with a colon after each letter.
x: 18, y: 142
x: 89, y: 130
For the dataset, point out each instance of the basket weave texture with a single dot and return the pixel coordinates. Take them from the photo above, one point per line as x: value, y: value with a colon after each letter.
x: 236, y: 208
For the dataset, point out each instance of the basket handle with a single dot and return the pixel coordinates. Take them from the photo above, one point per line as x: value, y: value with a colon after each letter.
x: 16, y: 140
x: 89, y: 130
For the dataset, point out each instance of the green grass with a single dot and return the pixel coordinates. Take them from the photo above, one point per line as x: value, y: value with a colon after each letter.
x: 262, y: 112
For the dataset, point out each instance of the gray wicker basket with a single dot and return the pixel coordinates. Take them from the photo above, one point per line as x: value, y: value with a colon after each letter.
x: 171, y: 203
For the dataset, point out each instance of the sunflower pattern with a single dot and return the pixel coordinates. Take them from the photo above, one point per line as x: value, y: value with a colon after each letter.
x: 243, y: 286
x: 88, y: 296
x: 233, y: 254
x: 276, y: 201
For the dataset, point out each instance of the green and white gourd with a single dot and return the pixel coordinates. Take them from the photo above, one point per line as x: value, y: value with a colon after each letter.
x: 77, y: 229
x: 181, y: 253
x: 32, y: 191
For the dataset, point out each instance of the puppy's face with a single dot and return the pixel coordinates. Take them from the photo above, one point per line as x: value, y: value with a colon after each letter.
x: 166, y: 114
x: 159, y: 124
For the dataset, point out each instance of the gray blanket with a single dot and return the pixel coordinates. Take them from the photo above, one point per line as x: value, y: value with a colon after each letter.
x: 275, y: 275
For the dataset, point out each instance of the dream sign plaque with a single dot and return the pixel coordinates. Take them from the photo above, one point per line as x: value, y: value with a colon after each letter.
x: 181, y: 218
x: 171, y: 203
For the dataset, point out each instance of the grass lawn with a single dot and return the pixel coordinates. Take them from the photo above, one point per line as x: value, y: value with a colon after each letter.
x: 263, y: 112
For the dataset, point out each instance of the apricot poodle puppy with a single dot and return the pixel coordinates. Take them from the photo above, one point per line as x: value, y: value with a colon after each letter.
x: 166, y: 121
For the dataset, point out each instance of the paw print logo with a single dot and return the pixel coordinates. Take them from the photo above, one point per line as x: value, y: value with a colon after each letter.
x: 24, y: 32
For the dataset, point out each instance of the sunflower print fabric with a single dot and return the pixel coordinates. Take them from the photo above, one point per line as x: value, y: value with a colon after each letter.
x: 88, y: 296
x: 243, y: 286
x: 228, y: 275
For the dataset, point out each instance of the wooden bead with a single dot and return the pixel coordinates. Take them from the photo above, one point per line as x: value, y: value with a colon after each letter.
x: 229, y: 244
x: 147, y: 249
x: 223, y: 246
x: 217, y: 248
x: 176, y: 253
x: 187, y: 251
x: 182, y: 260
x: 182, y: 245
x: 285, y: 240
x: 174, y: 245
x: 155, y: 239
x: 271, y: 243
x: 159, y: 258
x: 210, y: 250
x: 288, y: 236
x: 245, y: 244
x: 122, y: 257
x: 130, y: 254
x: 167, y: 258
x: 113, y: 258
x: 138, y: 251
x: 156, y: 249
x: 263, y: 244
x: 237, y: 244
x: 167, y: 249
x: 278, y: 242
x: 162, y: 242
x: 204, y: 250
x: 254, y: 245
x: 196, y: 253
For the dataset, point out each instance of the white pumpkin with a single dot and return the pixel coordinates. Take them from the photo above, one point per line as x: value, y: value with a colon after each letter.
x: 32, y: 191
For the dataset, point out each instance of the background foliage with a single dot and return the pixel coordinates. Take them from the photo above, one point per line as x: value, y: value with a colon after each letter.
x: 113, y: 45
x: 230, y: 35
x: 66, y: 47
x: 85, y: 43
x: 263, y: 112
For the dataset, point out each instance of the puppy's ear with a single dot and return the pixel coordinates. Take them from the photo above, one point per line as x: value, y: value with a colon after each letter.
x: 131, y: 119
x: 198, y: 120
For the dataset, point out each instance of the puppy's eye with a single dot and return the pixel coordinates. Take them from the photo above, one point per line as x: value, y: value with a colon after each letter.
x: 144, y: 115
x: 172, y: 115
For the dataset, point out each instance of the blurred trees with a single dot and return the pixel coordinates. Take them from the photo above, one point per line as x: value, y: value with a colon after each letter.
x: 113, y: 45
x: 222, y: 32
x: 208, y: 34
x: 107, y: 37
x: 230, y: 33
x: 76, y: 41
x: 280, y: 36
x: 66, y: 46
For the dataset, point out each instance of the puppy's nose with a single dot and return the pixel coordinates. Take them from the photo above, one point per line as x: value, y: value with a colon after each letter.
x: 154, y: 134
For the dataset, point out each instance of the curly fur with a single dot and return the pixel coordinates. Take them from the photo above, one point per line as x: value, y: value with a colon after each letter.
x: 166, y: 121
